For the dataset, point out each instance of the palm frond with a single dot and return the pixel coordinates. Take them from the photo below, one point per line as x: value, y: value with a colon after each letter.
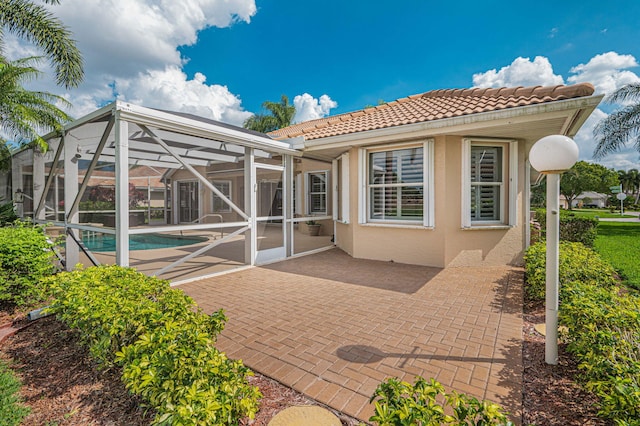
x: 26, y: 114
x: 36, y: 24
x: 630, y: 92
x: 620, y: 127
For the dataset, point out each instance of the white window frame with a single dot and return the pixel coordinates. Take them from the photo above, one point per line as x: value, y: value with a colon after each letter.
x: 308, y: 193
x: 508, y: 195
x: 227, y: 207
x: 427, y: 183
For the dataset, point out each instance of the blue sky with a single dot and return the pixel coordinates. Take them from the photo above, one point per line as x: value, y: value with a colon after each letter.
x: 358, y: 52
x: 223, y: 58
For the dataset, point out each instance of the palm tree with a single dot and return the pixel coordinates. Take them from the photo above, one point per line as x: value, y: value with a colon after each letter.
x: 636, y: 181
x: 24, y: 114
x: 280, y: 115
x: 625, y: 180
x: 623, y: 125
x: 36, y: 24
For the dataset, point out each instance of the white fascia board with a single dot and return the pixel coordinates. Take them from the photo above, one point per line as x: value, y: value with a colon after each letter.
x: 172, y: 122
x: 296, y: 143
x: 459, y: 124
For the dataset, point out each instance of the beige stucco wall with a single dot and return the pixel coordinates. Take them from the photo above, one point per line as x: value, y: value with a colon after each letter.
x: 477, y: 247
x: 305, y: 165
x: 446, y: 244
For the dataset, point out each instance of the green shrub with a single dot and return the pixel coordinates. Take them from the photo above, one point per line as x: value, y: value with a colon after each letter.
x: 604, y: 336
x: 572, y: 228
x: 25, y: 258
x: 576, y: 263
x: 400, y: 403
x: 7, y: 213
x: 162, y: 341
x: 11, y: 409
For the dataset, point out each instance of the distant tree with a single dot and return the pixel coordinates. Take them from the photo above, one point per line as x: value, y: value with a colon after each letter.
x: 380, y: 102
x: 36, y: 24
x: 584, y: 176
x: 630, y: 180
x: 539, y: 194
x: 623, y: 125
x: 107, y: 195
x: 5, y: 157
x: 25, y: 114
x: 279, y: 115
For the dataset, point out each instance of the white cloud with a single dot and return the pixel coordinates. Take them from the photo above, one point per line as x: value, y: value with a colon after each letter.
x: 121, y: 37
x: 130, y: 49
x: 170, y: 89
x: 521, y: 72
x: 310, y: 108
x: 607, y: 72
x: 584, y: 137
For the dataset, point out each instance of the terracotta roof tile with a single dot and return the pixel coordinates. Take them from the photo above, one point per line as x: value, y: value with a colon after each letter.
x: 433, y: 105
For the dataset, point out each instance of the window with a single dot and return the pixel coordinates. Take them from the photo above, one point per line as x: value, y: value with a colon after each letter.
x: 398, y: 185
x: 487, y: 185
x: 218, y: 204
x: 489, y: 192
x: 317, y: 193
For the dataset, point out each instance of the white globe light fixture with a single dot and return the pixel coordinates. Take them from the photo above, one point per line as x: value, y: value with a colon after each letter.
x: 554, y: 154
x: 551, y: 156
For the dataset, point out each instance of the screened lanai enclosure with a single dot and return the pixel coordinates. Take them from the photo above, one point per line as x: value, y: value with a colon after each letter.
x: 173, y: 194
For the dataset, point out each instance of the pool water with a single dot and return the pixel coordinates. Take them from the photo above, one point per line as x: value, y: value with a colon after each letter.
x: 107, y: 242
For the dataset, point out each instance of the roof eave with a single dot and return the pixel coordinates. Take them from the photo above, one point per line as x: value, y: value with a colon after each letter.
x: 581, y: 107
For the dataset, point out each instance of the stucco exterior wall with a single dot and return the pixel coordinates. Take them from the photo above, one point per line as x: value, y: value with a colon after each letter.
x: 447, y: 244
x: 482, y: 246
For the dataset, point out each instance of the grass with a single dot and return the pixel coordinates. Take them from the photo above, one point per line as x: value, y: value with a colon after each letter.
x: 602, y: 213
x: 619, y: 244
x: 11, y: 410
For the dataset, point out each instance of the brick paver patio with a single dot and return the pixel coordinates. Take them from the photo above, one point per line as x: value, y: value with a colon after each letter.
x: 333, y: 327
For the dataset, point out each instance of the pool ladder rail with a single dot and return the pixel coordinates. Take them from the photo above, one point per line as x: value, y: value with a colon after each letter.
x: 199, y: 220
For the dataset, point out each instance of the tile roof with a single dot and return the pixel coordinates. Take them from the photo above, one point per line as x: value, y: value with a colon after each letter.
x: 429, y: 106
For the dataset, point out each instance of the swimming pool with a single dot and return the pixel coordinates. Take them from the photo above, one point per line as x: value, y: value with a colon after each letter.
x: 107, y: 242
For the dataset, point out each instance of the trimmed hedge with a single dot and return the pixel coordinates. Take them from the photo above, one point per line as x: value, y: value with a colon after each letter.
x: 576, y: 263
x: 25, y: 258
x: 427, y: 403
x: 604, y: 335
x: 603, y: 326
x: 572, y: 228
x: 161, y: 340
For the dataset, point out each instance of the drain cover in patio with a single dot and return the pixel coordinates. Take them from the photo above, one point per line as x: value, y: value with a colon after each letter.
x: 308, y: 415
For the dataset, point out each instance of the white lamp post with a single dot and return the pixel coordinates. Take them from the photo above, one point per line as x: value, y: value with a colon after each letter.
x: 551, y: 156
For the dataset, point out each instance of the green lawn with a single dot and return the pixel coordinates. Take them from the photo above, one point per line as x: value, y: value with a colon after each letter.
x: 619, y: 243
x: 604, y: 213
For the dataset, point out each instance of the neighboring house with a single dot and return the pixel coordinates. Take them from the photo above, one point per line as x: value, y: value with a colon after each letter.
x: 586, y: 199
x: 440, y: 178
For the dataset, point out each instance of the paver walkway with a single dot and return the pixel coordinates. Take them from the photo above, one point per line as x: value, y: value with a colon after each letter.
x: 334, y: 327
